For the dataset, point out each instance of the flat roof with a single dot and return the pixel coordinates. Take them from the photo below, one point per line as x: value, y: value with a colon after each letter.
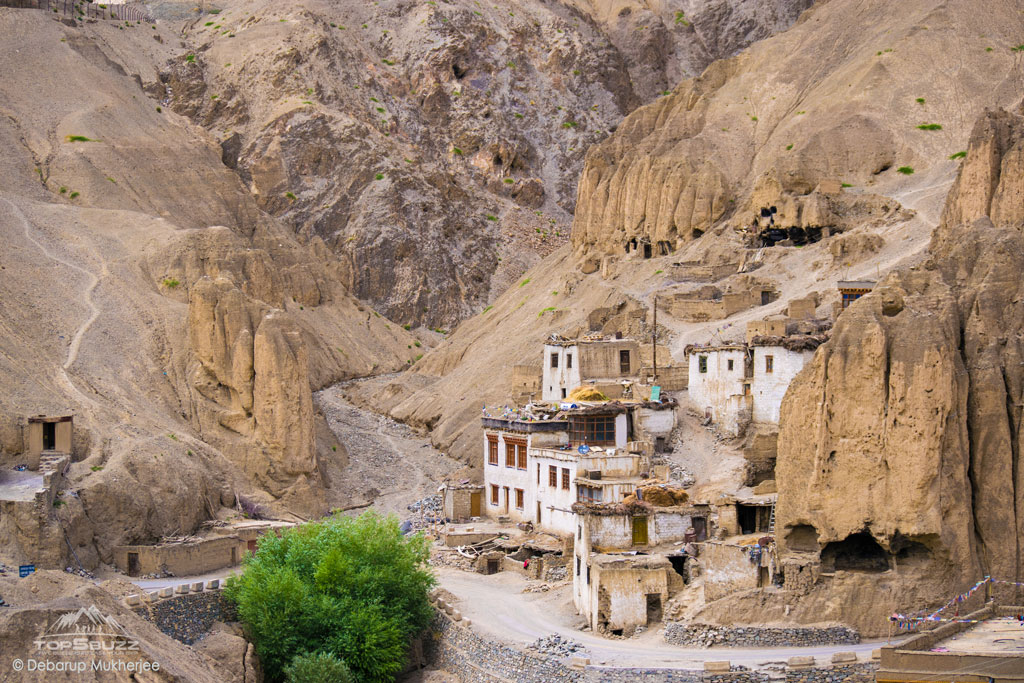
x: 856, y: 284
x: 998, y: 635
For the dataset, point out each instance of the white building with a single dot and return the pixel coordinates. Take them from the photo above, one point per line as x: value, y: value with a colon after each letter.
x: 737, y: 384
x: 534, y: 470
x: 604, y: 363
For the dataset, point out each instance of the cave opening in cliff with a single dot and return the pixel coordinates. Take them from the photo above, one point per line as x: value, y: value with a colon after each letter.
x: 857, y: 552
x: 803, y: 537
x: 795, y: 236
x: 459, y: 71
x: 647, y: 250
x: 697, y: 233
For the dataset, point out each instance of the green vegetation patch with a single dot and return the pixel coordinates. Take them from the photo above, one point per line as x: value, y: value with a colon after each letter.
x: 78, y: 138
x: 958, y: 155
x: 930, y: 126
x: 905, y: 170
x: 352, y: 588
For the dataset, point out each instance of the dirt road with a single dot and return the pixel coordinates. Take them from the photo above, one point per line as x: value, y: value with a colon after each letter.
x: 500, y: 611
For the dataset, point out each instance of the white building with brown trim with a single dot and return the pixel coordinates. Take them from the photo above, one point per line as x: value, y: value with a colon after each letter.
x: 534, y: 470
x: 604, y: 363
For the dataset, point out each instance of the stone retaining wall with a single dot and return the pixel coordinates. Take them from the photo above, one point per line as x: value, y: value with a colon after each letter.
x: 705, y: 635
x: 450, y: 644
x: 185, y: 612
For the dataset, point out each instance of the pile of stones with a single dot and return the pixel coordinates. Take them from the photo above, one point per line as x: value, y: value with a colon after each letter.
x: 81, y: 572
x: 431, y: 505
x: 555, y: 646
x: 556, y: 574
x: 678, y: 474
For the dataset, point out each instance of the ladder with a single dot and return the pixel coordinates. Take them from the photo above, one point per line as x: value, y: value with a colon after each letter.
x: 771, y: 520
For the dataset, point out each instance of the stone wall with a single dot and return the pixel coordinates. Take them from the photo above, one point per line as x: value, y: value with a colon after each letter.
x: 451, y: 645
x: 185, y: 612
x: 678, y: 633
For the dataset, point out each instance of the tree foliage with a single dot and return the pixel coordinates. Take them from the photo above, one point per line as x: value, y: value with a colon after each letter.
x: 317, y: 668
x: 351, y: 587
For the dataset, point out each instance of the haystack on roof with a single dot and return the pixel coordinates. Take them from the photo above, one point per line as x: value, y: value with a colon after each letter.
x: 586, y: 393
x: 659, y: 495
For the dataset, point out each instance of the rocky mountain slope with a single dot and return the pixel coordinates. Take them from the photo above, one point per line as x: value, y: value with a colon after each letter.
x: 435, y: 147
x: 143, y: 291
x: 915, y: 404
x: 838, y: 99
x: 192, y: 248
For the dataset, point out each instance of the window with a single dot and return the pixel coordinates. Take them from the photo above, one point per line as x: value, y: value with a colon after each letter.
x: 577, y: 565
x: 588, y: 494
x: 519, y: 499
x: 494, y: 494
x: 563, y: 392
x: 510, y: 453
x: 568, y: 360
x: 729, y: 364
x: 769, y: 363
x: 565, y: 479
x: 702, y: 363
x: 552, y: 476
x: 588, y: 574
x: 554, y: 360
x: 579, y: 532
x: 521, y: 456
x: 597, y: 430
x: 538, y: 474
x: 492, y: 450
x: 624, y: 362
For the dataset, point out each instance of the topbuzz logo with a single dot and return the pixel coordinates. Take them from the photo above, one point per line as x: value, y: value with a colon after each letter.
x: 85, y: 630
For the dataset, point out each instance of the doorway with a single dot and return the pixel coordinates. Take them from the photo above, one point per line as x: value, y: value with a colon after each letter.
x: 475, y: 503
x: 49, y: 436
x: 133, y: 564
x: 538, y: 513
x: 639, y: 531
x: 700, y: 527
x: 492, y: 566
x: 653, y: 608
x: 250, y: 546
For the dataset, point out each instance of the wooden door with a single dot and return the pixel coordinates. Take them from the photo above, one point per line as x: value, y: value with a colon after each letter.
x: 639, y: 531
x: 474, y: 504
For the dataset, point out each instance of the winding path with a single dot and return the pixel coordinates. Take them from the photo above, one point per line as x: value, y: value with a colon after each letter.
x: 76, y: 341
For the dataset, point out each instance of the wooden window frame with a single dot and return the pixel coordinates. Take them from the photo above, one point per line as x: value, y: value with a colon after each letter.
x: 769, y: 364
x: 565, y: 479
x: 520, y: 499
x: 593, y: 430
x: 625, y: 362
x: 568, y: 361
x: 495, y: 495
x: 553, y: 476
x: 492, y: 450
x: 554, y: 361
x: 702, y: 364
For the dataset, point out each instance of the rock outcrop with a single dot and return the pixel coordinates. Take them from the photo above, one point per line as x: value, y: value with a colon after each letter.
x: 900, y: 443
x: 435, y: 148
x: 791, y: 123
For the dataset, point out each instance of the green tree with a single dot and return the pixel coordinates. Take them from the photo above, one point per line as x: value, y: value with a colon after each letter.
x: 317, y: 668
x: 351, y: 587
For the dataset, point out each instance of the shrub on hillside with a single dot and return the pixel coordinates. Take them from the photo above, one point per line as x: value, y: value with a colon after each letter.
x: 351, y: 587
x: 317, y: 668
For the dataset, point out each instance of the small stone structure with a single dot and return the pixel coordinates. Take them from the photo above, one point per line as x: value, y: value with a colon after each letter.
x: 461, y: 502
x: 224, y: 547
x: 49, y: 434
